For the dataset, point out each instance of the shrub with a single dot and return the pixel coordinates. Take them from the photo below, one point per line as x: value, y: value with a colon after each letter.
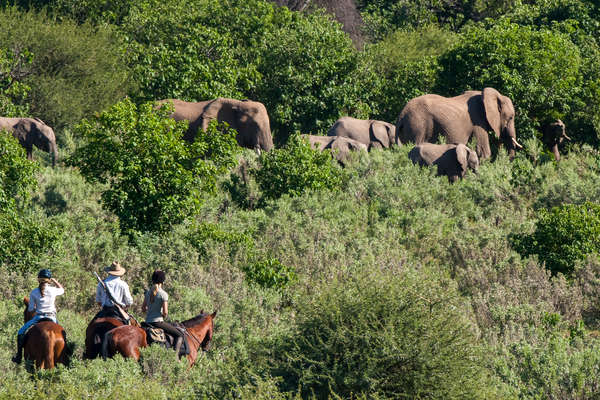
x: 383, y: 335
x: 562, y: 236
x: 269, y: 273
x: 296, y: 169
x: 155, y: 178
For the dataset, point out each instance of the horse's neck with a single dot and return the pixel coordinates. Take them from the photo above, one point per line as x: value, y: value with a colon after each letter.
x: 199, y: 331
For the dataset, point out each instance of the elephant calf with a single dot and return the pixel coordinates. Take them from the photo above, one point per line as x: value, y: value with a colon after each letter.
x: 340, y: 146
x: 30, y: 132
x: 451, y: 160
x: 372, y: 133
x: 553, y: 135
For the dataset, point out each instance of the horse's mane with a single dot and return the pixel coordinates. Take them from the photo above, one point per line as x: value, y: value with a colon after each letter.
x: 194, y: 320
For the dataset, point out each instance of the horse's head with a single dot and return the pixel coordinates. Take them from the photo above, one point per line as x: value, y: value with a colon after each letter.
x: 202, y: 327
x: 27, y: 315
x: 209, y: 334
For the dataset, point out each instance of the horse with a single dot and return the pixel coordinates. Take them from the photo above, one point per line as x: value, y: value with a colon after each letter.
x: 94, y: 335
x: 127, y: 340
x: 45, y: 342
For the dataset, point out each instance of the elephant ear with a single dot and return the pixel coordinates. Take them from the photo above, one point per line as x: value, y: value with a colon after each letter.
x: 491, y: 104
x: 380, y: 132
x: 461, y: 156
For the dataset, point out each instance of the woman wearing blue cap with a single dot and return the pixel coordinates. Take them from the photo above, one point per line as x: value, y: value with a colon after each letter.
x: 41, y: 299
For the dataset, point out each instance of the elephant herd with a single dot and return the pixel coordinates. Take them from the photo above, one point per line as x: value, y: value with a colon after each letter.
x: 423, y: 121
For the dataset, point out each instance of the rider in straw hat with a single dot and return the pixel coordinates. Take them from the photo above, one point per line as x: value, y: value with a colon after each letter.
x: 118, y: 289
x: 41, y: 299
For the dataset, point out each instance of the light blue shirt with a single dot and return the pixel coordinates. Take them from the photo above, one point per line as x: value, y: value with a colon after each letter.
x: 119, y: 290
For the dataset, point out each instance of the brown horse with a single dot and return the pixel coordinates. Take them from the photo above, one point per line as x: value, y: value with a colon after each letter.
x: 127, y: 340
x: 45, y: 342
x: 94, y: 335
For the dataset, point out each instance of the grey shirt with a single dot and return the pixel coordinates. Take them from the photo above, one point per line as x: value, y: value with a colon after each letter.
x: 155, y: 307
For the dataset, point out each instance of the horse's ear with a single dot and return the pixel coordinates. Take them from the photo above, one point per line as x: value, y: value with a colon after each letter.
x: 202, y: 312
x: 26, y: 300
x: 214, y: 314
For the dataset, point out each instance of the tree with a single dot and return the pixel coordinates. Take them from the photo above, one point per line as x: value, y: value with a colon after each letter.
x: 154, y: 178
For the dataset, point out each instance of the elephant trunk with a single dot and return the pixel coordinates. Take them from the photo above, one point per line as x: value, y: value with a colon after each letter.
x: 54, y: 152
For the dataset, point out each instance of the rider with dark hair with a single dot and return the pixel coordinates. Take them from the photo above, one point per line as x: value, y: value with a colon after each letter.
x: 41, y: 299
x: 156, y: 305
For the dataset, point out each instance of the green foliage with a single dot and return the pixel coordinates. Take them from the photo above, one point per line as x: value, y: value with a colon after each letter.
x: 540, y: 70
x: 563, y: 235
x: 388, y: 335
x: 14, y: 67
x: 205, y: 235
x: 174, y: 55
x: 382, y: 17
x: 269, y: 273
x: 154, y: 177
x: 23, y: 238
x: 295, y: 169
x: 403, y: 66
x: 75, y: 71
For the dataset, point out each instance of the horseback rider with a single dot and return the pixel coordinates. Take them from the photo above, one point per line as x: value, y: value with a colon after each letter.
x: 119, y: 291
x: 156, y: 304
x: 41, y: 299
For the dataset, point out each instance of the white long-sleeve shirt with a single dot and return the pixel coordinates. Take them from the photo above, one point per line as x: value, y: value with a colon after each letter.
x: 119, y: 290
x: 44, y: 304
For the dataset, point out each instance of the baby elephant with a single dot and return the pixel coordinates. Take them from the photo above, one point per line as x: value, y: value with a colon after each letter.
x: 452, y: 160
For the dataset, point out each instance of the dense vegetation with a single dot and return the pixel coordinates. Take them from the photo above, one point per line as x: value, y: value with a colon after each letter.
x: 376, y: 280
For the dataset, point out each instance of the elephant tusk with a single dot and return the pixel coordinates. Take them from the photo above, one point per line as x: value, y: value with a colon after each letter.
x: 517, y: 145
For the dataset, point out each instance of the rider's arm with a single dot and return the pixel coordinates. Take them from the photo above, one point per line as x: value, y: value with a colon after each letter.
x: 56, y: 283
x: 165, y: 309
x: 145, y: 305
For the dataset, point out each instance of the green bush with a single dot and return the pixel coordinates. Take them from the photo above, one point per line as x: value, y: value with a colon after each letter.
x: 383, y: 335
x: 155, y: 178
x: 295, y: 169
x: 563, y: 235
x: 269, y: 273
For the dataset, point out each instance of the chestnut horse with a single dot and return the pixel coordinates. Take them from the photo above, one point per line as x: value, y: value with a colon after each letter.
x: 45, y: 342
x: 127, y: 340
x: 94, y: 335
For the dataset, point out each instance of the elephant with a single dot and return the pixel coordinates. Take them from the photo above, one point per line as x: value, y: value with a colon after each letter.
x: 553, y: 135
x: 472, y: 113
x: 372, y: 133
x: 451, y: 160
x: 32, y: 131
x: 248, y: 118
x: 340, y: 146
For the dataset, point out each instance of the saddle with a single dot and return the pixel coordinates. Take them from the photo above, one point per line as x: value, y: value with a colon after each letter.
x: 158, y: 335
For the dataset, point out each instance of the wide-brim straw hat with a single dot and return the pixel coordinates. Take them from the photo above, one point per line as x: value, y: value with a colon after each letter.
x: 115, y: 269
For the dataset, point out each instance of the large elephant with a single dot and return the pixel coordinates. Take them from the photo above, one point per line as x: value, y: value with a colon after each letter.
x: 553, y: 135
x: 473, y: 113
x: 248, y: 118
x: 340, y: 146
x: 372, y: 133
x: 451, y: 160
x: 30, y: 132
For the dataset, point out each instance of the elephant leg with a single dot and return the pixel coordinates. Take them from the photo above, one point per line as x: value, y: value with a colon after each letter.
x: 483, y: 143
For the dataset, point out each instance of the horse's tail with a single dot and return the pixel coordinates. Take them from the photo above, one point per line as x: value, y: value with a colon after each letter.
x: 105, y: 343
